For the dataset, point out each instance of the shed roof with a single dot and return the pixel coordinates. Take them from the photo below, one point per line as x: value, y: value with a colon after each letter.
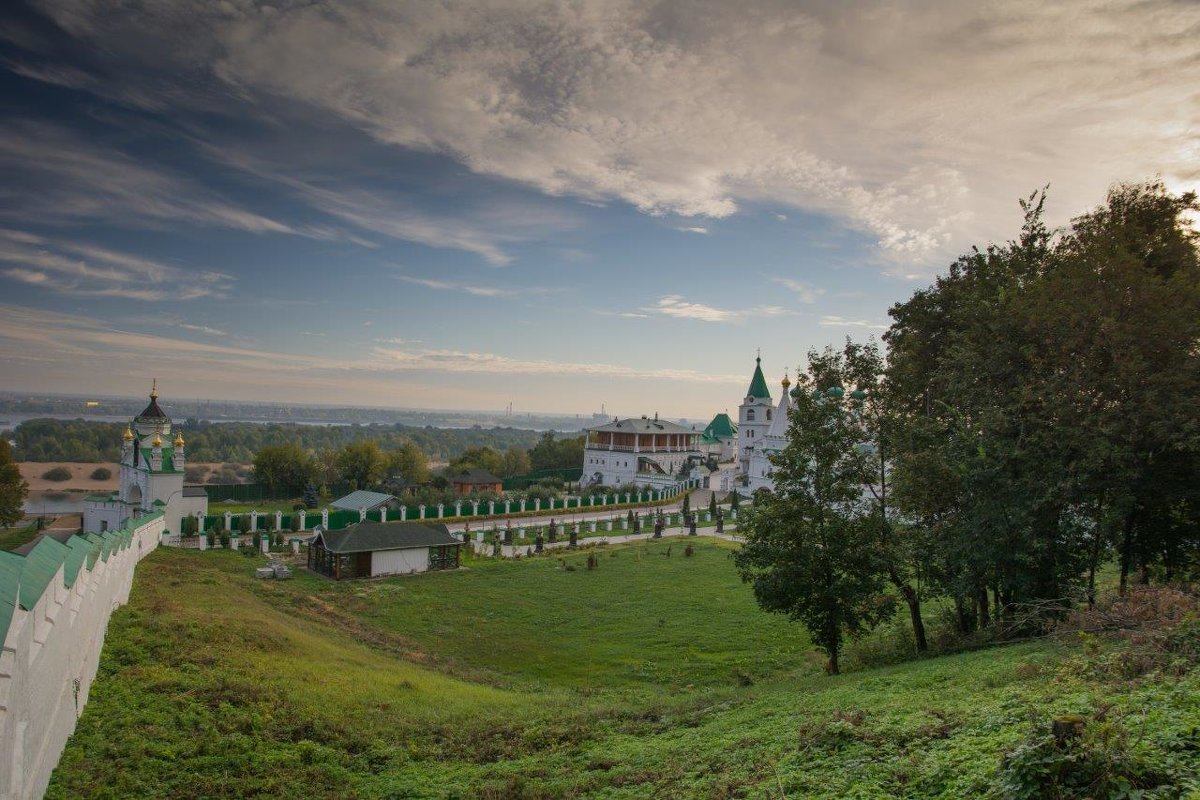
x: 367, y: 537
x: 362, y: 500
x: 194, y: 491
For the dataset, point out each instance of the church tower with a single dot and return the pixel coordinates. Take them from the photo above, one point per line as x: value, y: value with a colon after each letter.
x: 754, y: 417
x: 151, y: 480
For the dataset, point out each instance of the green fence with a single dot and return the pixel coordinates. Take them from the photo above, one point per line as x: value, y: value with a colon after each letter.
x: 517, y: 482
x: 411, y: 513
x: 221, y: 492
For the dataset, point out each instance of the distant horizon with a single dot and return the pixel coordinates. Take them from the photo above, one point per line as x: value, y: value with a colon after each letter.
x: 167, y: 400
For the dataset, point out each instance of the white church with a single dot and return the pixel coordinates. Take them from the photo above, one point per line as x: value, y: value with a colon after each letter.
x: 726, y: 456
x: 152, y: 467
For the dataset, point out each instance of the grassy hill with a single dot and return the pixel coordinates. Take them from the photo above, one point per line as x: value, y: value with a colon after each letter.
x: 649, y: 676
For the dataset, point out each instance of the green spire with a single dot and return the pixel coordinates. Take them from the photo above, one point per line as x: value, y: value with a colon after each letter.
x: 758, y: 384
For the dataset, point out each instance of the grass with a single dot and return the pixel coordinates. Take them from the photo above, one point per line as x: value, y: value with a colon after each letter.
x: 647, y: 677
x: 12, y: 538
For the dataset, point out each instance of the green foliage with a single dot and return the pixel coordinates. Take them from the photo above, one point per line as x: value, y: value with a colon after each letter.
x: 553, y: 453
x: 811, y: 545
x: 484, y: 458
x: 83, y: 440
x: 1069, y: 355
x: 101, y: 474
x: 361, y: 464
x: 58, y: 474
x: 285, y: 469
x: 13, y: 487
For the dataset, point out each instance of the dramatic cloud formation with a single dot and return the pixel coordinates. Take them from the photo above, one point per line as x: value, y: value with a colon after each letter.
x: 919, y: 124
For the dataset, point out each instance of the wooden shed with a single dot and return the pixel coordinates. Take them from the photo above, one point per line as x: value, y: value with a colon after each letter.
x: 375, y: 549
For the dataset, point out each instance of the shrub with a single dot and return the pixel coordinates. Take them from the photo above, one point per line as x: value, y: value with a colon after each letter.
x: 101, y: 474
x: 195, y: 474
x: 1077, y: 757
x: 58, y: 474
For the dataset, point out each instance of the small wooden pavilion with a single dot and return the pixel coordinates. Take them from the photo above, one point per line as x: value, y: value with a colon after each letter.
x: 375, y: 549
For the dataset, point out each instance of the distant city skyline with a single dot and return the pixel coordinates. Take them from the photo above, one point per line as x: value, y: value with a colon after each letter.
x: 558, y: 204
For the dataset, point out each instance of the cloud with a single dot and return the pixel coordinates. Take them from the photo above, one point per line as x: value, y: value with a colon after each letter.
x: 806, y: 292
x: 917, y: 124
x: 491, y: 363
x: 83, y: 269
x: 673, y: 305
x: 203, y: 329
x: 831, y: 321
x: 478, y: 291
x: 693, y: 229
x: 76, y: 342
x: 78, y: 180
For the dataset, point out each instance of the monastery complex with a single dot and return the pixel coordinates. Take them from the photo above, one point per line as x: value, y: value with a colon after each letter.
x: 724, y: 456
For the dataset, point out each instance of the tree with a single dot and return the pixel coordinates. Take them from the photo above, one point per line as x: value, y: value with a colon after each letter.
x: 809, y: 544
x: 553, y: 453
x: 686, y: 508
x: 484, y: 458
x: 285, y: 469
x: 712, y: 503
x: 1046, y: 393
x: 516, y: 462
x: 408, y: 461
x: 13, y: 487
x: 361, y: 464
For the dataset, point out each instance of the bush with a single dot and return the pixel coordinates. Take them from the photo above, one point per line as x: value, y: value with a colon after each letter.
x: 58, y: 474
x: 1077, y: 757
x: 101, y: 474
x: 195, y: 474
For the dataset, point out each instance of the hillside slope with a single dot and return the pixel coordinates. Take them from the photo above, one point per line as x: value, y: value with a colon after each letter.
x: 650, y: 676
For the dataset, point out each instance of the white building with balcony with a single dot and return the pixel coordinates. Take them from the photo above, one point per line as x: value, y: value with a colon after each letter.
x: 648, y: 452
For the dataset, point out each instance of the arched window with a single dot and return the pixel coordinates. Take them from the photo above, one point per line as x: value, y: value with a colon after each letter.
x: 768, y: 415
x: 750, y: 415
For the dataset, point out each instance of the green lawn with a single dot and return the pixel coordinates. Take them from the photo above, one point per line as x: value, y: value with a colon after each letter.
x: 12, y: 538
x: 648, y: 677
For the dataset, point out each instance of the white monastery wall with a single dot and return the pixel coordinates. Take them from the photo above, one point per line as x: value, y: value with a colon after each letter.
x: 50, y: 655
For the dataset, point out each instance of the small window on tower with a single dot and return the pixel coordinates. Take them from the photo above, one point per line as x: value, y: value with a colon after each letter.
x: 768, y: 414
x: 750, y: 415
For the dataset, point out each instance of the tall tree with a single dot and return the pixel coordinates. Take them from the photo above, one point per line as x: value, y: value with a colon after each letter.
x: 361, y: 464
x: 516, y: 462
x: 409, y: 461
x: 13, y: 487
x: 285, y: 469
x: 809, y: 550
x: 484, y: 458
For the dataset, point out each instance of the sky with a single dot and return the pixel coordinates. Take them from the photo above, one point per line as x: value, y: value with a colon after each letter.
x: 555, y: 204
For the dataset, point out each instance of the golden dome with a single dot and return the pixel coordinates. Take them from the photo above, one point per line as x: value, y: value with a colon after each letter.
x: 157, y: 441
x: 179, y: 438
x: 786, y: 382
x: 128, y: 434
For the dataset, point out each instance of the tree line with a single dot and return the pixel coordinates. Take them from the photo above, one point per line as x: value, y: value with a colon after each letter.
x: 1035, y: 418
x: 238, y: 442
x: 288, y: 469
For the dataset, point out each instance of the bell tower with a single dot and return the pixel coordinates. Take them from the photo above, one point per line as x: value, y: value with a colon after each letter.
x: 754, y: 417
